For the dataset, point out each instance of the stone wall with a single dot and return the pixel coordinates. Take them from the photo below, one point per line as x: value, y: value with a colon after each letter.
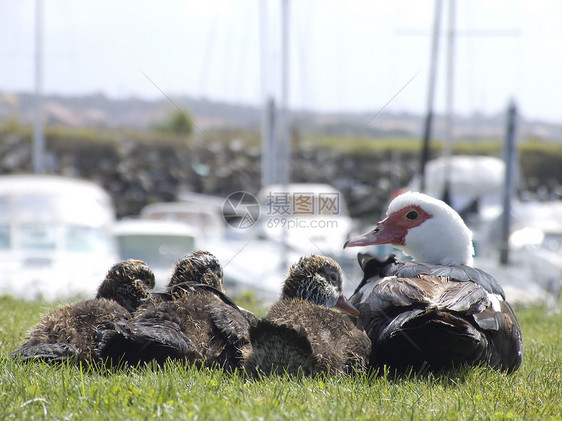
x: 137, y: 170
x: 141, y: 168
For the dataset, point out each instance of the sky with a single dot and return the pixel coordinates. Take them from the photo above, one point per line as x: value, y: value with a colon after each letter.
x: 344, y: 55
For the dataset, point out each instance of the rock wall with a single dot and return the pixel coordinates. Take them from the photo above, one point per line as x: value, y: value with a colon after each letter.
x: 141, y: 168
x: 137, y: 170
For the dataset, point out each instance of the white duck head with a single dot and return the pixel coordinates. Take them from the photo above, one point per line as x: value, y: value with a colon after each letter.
x: 425, y: 228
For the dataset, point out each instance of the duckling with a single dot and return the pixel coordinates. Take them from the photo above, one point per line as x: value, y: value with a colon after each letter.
x: 129, y: 283
x: 300, y: 332
x: 195, y: 321
x: 70, y: 333
x: 198, y: 267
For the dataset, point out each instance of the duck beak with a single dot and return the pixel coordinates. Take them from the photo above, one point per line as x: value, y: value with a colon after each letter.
x: 362, y: 240
x: 345, y: 306
x: 371, y: 237
x: 383, y: 233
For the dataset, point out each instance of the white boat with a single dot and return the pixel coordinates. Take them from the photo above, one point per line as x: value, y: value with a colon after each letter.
x: 294, y: 220
x: 55, y: 237
x: 535, y: 244
x: 203, y: 217
x: 159, y: 243
x: 309, y: 218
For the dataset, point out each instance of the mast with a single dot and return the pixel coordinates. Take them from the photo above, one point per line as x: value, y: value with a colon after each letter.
x: 284, y: 132
x: 449, y: 101
x: 268, y: 152
x: 430, y: 91
x: 275, y: 125
x: 509, y: 186
x: 38, y: 130
x: 284, y: 127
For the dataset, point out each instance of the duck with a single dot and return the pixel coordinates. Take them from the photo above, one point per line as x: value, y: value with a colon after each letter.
x: 130, y: 283
x: 435, y: 310
x: 301, y: 333
x: 198, y: 269
x: 193, y: 321
x: 70, y: 333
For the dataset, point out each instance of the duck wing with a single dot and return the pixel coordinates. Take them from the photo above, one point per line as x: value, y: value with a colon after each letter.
x: 375, y: 268
x: 415, y: 320
x: 436, y: 319
x: 461, y: 273
x: 232, y: 330
x: 230, y: 322
x: 382, y: 300
x: 141, y: 341
x: 506, y: 340
x: 47, y: 352
x: 438, y: 338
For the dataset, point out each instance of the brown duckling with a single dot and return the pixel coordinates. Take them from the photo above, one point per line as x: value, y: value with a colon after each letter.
x: 199, y: 267
x: 195, y: 321
x: 71, y: 332
x: 302, y: 333
x: 128, y: 282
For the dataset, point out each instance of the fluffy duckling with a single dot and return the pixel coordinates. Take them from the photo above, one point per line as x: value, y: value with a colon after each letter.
x: 129, y: 283
x: 71, y: 332
x: 301, y: 332
x: 195, y: 321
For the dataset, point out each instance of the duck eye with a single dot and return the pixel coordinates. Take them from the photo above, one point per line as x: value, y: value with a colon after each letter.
x: 333, y: 278
x: 412, y: 215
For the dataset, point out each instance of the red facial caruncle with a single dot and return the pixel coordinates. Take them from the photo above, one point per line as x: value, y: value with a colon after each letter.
x: 393, y: 229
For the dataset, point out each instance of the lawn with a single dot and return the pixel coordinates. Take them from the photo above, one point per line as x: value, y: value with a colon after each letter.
x: 178, y: 391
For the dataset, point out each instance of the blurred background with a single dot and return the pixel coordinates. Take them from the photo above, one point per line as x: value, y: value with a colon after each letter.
x: 170, y: 108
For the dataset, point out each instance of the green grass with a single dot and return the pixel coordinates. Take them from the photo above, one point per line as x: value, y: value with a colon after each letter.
x: 407, y: 145
x: 178, y: 391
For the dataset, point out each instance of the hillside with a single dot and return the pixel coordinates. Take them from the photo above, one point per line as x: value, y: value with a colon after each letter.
x: 101, y: 111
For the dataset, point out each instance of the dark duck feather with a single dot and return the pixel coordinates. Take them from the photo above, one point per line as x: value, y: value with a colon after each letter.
x: 194, y: 321
x: 301, y: 333
x: 71, y: 332
x: 442, y: 313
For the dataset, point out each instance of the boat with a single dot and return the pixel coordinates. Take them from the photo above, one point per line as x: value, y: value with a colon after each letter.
x: 308, y: 217
x: 203, y: 217
x: 159, y: 243
x: 55, y: 237
x: 291, y: 221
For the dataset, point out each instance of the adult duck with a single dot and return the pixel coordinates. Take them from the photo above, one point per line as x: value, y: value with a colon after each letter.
x: 301, y: 332
x: 436, y: 309
x: 194, y: 321
x: 71, y: 332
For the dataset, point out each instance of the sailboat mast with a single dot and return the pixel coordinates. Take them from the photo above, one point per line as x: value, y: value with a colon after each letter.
x: 38, y: 130
x: 275, y: 127
x: 268, y: 164
x: 509, y: 187
x: 430, y: 90
x: 284, y: 129
x: 447, y: 141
